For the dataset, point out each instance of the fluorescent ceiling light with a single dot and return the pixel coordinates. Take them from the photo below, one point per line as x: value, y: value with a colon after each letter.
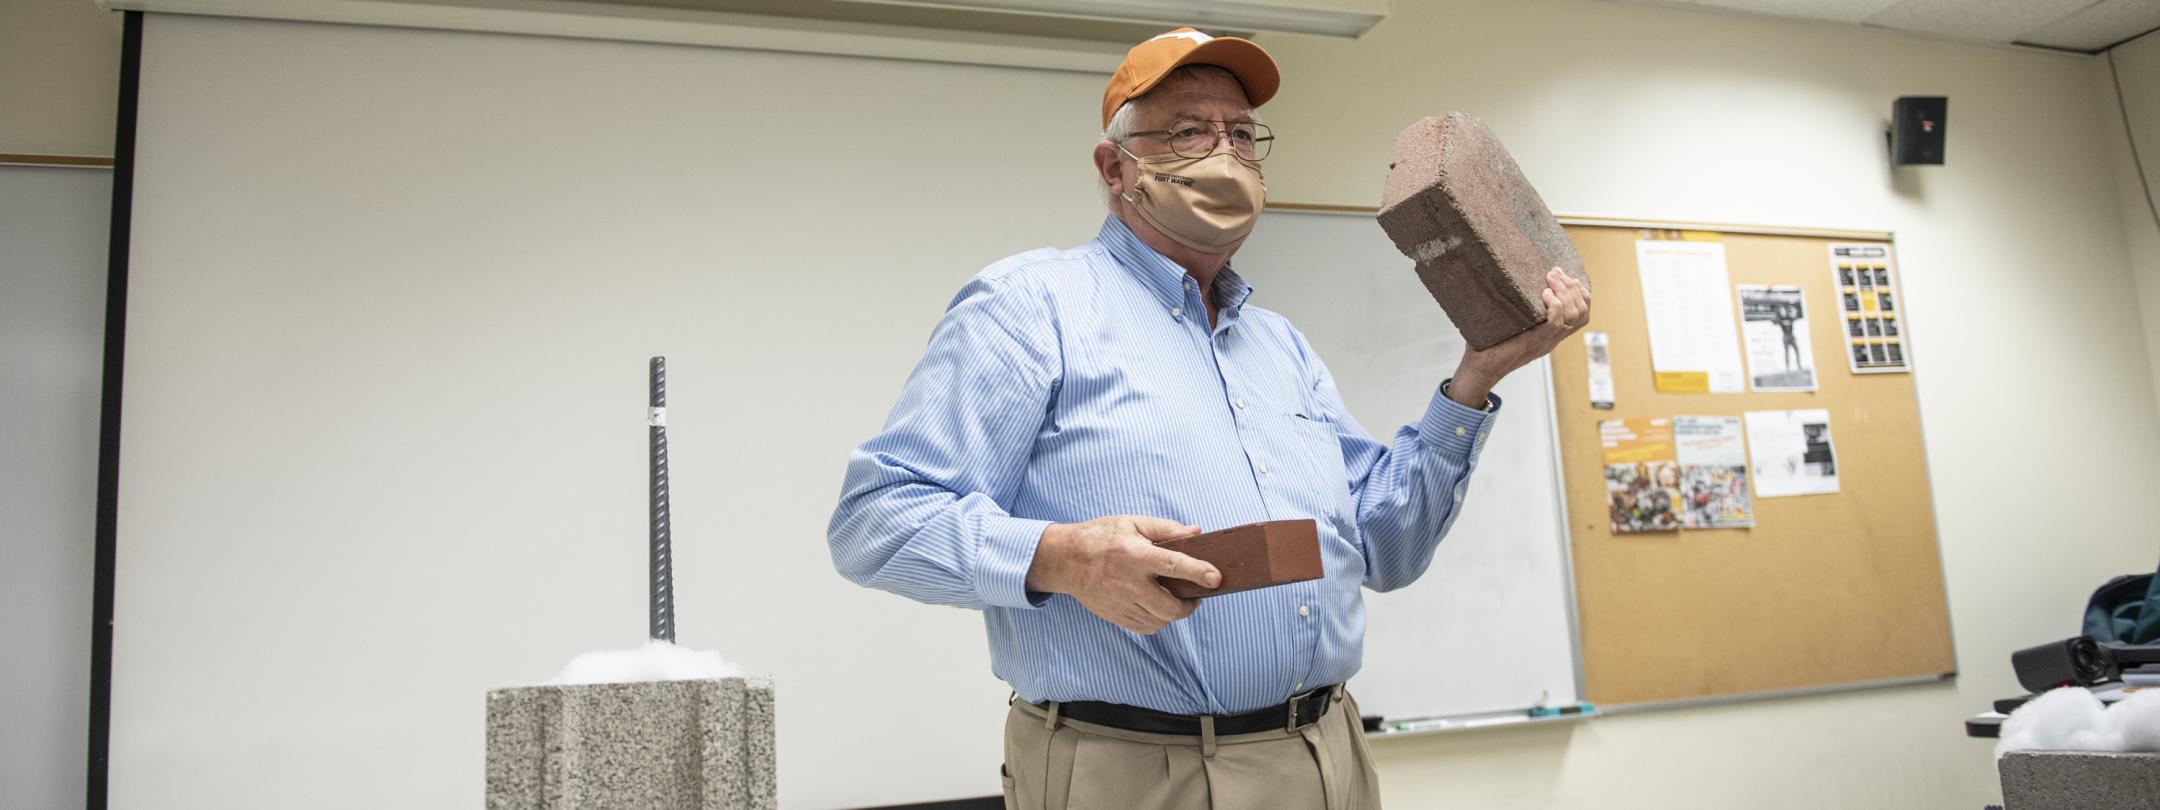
x: 1340, y: 18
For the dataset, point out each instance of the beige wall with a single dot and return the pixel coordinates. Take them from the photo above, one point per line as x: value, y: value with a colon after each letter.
x: 59, y: 72
x: 2035, y: 390
x: 2138, y: 64
x: 52, y: 339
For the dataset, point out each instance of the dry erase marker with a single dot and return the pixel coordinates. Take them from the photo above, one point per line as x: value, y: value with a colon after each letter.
x: 1561, y: 711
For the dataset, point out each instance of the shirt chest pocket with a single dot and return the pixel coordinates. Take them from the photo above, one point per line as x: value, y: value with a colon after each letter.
x: 1317, y: 484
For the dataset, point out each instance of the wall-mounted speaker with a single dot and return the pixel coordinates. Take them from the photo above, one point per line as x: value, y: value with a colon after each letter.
x: 1917, y: 128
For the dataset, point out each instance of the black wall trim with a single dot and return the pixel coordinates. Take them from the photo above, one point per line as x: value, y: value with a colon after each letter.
x: 108, y: 477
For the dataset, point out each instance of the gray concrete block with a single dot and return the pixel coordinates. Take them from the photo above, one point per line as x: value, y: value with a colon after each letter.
x: 704, y: 744
x: 1457, y: 204
x: 2079, y: 780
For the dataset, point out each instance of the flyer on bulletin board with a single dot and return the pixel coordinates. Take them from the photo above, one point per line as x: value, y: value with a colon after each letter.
x: 1642, y: 475
x: 1875, y: 339
x: 1597, y: 349
x: 1713, y: 472
x: 1792, y: 453
x: 1774, y: 322
x: 1687, y: 308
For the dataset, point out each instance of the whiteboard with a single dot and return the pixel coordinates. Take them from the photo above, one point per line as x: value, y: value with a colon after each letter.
x: 1490, y: 627
x: 388, y: 324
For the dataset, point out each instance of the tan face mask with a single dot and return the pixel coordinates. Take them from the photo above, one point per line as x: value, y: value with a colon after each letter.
x: 1206, y: 203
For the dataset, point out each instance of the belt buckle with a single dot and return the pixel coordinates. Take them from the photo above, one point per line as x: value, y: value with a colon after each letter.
x: 1295, y: 700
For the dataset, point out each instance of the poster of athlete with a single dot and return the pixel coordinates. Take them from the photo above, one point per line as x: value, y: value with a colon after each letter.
x: 1774, y: 325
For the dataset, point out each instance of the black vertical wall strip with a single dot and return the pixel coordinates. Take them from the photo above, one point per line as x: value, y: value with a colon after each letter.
x: 108, y: 477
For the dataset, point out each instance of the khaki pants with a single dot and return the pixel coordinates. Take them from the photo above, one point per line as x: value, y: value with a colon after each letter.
x: 1052, y: 763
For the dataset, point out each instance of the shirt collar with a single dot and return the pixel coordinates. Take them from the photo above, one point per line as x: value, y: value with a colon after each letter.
x: 1164, y: 277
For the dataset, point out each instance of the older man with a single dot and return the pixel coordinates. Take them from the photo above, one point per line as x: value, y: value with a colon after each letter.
x: 1074, y: 407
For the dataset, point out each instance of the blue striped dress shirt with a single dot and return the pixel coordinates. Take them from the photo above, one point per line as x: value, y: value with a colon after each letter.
x: 1066, y: 385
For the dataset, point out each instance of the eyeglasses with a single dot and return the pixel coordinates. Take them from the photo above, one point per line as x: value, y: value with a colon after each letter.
x: 1194, y: 139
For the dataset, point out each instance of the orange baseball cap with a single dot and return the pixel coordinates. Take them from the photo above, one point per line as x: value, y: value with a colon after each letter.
x: 1148, y: 62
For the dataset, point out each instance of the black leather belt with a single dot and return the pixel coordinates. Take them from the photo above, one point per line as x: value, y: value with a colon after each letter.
x: 1295, y: 713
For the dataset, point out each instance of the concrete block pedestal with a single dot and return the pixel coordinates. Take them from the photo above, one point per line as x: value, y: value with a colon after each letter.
x: 703, y: 744
x: 2079, y: 780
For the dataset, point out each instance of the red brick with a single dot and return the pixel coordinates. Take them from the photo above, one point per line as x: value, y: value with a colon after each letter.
x: 1255, y: 555
x: 1457, y: 204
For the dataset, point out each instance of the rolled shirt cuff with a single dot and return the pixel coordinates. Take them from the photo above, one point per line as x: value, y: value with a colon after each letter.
x: 1454, y: 428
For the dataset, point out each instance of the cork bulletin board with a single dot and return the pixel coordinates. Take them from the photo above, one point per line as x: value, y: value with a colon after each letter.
x: 1824, y: 590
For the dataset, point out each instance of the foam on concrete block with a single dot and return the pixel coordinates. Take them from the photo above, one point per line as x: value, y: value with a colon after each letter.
x: 2079, y: 780
x: 1456, y: 203
x: 703, y: 744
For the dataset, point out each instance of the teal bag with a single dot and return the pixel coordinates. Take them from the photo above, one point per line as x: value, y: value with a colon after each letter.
x: 2126, y: 610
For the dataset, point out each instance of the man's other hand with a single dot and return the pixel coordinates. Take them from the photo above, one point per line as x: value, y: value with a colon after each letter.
x: 1567, y: 309
x: 1111, y: 565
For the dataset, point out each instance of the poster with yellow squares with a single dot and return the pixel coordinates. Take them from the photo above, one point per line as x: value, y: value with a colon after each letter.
x: 1869, y: 305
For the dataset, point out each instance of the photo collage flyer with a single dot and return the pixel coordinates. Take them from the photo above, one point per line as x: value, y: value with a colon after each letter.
x: 1713, y: 472
x: 1642, y: 475
x: 1686, y: 472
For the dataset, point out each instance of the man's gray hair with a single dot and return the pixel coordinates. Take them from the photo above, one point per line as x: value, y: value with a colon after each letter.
x: 1127, y: 118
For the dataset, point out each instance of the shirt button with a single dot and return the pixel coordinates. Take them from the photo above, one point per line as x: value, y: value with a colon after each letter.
x: 1303, y: 610
x: 1241, y: 404
x: 1263, y: 468
x: 1458, y: 497
x: 1300, y: 687
x: 1177, y: 312
x: 1459, y: 432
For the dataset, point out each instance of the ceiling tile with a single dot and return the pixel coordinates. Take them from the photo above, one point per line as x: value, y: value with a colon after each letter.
x: 1991, y: 20
x: 2099, y: 26
x: 1850, y: 11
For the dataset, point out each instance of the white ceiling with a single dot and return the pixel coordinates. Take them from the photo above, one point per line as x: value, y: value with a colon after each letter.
x: 2078, y: 25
